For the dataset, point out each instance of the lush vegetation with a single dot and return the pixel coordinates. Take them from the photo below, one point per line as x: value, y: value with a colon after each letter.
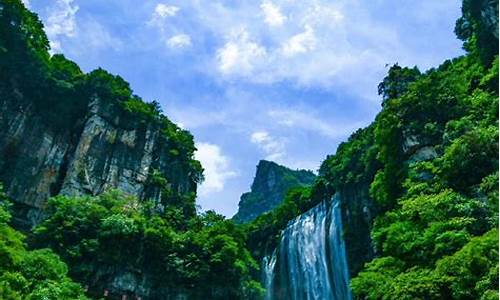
x: 114, y: 231
x: 430, y: 163
x: 438, y: 237
x: 32, y: 275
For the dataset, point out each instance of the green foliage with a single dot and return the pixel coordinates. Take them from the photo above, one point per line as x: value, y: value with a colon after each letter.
x: 434, y: 235
x: 419, y: 117
x: 470, y: 273
x: 478, y: 28
x: 22, y: 38
x: 426, y: 227
x: 396, y: 82
x: 86, y: 234
x: 92, y: 234
x: 354, y: 162
x: 436, y: 238
x: 64, y: 70
x: 38, y: 274
x: 431, y: 161
x: 470, y: 157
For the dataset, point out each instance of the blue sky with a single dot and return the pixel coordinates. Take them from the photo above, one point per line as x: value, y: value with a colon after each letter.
x: 284, y: 80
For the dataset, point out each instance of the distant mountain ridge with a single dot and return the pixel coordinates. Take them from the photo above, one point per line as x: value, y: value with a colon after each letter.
x: 268, y: 190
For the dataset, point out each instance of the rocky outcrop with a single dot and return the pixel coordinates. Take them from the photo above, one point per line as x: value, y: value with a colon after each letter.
x: 99, y: 149
x: 358, y: 211
x: 268, y: 190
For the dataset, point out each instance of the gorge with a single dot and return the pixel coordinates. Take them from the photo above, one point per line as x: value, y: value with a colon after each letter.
x: 99, y: 189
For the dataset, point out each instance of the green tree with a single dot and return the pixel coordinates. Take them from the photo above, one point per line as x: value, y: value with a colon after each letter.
x: 24, y: 274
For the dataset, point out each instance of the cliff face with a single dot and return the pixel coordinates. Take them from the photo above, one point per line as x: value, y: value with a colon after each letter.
x: 358, y: 211
x: 269, y: 187
x: 68, y: 132
x: 101, y: 149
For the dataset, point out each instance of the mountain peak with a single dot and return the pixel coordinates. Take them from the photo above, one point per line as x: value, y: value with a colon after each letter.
x: 268, y: 189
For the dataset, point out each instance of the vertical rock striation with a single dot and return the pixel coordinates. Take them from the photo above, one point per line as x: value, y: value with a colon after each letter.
x: 100, y: 149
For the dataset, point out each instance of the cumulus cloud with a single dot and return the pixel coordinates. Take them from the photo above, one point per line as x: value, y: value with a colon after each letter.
x: 300, y: 43
x: 61, y: 22
x: 272, y: 14
x: 274, y: 148
x: 179, y: 41
x: 162, y: 19
x: 321, y: 42
x: 216, y: 166
x: 240, y: 54
x: 164, y: 10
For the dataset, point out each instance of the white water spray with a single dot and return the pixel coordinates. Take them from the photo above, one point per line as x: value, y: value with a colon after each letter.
x: 311, y: 261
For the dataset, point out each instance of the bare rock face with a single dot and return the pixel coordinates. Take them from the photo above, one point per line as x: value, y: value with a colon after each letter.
x: 100, y: 149
x: 358, y: 213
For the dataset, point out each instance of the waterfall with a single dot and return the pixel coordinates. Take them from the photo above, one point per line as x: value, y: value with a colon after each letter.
x: 310, y: 262
x: 268, y: 268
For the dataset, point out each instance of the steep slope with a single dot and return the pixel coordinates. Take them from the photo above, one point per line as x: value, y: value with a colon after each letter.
x: 418, y: 188
x: 123, y: 219
x: 72, y: 133
x: 268, y: 189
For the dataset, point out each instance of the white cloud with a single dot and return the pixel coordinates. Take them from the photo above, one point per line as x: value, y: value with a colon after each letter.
x: 164, y: 10
x: 161, y: 13
x: 179, y: 41
x: 321, y: 42
x: 274, y: 148
x: 61, y: 22
x: 300, y: 43
x: 216, y: 166
x: 272, y: 14
x: 26, y: 3
x: 162, y: 20
x: 240, y: 54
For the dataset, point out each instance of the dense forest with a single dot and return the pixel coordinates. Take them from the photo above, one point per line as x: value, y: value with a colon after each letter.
x: 428, y: 163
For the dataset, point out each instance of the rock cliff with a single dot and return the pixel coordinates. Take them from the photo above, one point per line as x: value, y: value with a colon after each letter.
x: 269, y: 187
x: 69, y: 132
x: 101, y: 149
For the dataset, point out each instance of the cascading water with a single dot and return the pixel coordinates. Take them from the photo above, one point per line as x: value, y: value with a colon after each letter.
x: 268, y: 267
x: 310, y: 262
